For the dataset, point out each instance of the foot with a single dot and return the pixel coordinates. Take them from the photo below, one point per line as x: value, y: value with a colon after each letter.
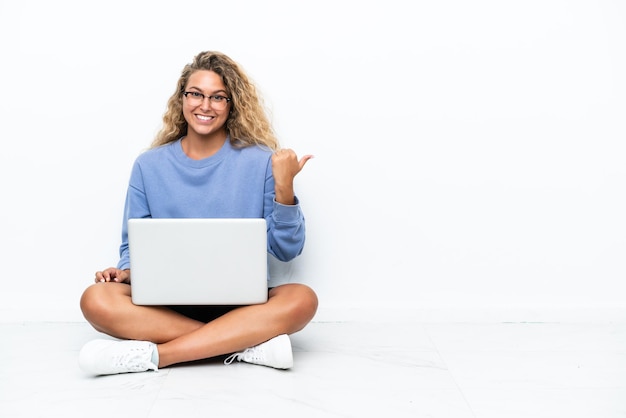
x: 101, y: 357
x: 274, y: 353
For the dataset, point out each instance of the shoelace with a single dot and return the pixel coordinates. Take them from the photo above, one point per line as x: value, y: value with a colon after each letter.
x: 232, y: 358
x: 248, y: 353
x: 134, y: 360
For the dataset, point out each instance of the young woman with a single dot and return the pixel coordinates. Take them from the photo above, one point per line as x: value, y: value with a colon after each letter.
x: 215, y: 156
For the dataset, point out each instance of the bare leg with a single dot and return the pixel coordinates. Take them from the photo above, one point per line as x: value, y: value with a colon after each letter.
x: 109, y: 309
x: 107, y: 306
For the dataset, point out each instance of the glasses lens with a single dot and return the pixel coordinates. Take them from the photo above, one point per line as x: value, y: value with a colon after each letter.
x: 218, y: 102
x: 194, y: 99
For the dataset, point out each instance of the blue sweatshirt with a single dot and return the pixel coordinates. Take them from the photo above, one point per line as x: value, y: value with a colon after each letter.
x: 232, y: 183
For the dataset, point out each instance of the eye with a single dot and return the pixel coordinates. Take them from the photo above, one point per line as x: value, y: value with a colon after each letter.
x: 218, y: 98
x: 197, y: 95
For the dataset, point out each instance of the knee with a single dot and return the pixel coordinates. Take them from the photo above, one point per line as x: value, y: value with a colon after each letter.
x: 303, y: 305
x: 93, y: 302
x: 309, y: 301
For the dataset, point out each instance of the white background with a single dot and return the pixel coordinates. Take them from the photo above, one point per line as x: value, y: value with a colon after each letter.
x: 469, y: 155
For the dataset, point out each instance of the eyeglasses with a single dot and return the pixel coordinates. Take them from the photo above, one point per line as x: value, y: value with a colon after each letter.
x: 216, y: 101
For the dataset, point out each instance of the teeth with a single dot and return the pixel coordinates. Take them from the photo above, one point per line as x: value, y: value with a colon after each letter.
x: 204, y: 117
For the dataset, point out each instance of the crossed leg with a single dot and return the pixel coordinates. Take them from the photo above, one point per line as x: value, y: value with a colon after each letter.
x: 109, y: 309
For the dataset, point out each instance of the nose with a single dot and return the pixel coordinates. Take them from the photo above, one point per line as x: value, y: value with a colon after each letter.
x: 206, y: 102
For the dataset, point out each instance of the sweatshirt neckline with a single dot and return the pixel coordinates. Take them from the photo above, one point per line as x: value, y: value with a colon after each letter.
x: 219, y: 156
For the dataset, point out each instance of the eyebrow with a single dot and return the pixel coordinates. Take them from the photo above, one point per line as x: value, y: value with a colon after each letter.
x: 212, y: 93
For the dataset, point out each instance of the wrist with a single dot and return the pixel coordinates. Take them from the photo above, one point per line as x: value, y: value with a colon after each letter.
x: 284, y: 194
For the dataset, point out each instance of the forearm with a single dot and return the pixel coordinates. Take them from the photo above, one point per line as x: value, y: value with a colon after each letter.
x: 284, y: 194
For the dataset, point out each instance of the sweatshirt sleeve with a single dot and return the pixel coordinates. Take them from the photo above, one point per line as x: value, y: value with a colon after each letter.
x: 285, y: 224
x: 135, y: 206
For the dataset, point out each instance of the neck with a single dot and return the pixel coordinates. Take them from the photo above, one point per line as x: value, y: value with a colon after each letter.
x: 198, y: 148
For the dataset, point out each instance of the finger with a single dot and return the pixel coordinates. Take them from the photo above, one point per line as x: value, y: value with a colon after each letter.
x: 282, y: 153
x: 116, y: 275
x: 121, y: 276
x: 108, y: 274
x: 304, y: 159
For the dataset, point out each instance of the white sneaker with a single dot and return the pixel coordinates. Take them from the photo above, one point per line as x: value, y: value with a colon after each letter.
x: 273, y: 353
x: 112, y: 357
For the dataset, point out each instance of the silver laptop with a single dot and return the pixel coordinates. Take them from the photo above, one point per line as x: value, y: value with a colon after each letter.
x: 198, y: 261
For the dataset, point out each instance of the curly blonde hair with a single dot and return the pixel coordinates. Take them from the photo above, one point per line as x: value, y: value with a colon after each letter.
x: 247, y: 123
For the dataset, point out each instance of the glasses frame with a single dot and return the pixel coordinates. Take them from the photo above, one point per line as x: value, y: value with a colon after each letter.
x: 212, y: 98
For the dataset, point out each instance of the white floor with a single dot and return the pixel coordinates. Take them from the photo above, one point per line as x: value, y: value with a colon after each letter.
x: 499, y: 370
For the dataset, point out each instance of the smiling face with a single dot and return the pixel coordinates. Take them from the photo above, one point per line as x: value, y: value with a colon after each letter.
x: 204, y: 121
